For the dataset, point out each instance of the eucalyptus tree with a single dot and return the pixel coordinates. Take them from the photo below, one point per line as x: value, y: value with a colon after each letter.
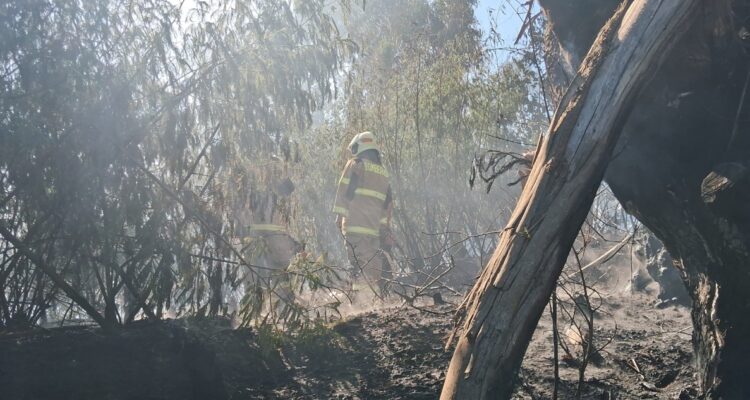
x: 121, y: 123
x: 655, y: 104
x: 424, y: 84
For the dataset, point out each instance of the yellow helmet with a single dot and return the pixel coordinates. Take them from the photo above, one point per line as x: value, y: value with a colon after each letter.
x: 363, y: 141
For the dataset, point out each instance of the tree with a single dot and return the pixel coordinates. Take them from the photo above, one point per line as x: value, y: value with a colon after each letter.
x: 433, y: 97
x: 679, y: 170
x: 119, y: 122
x: 506, y: 302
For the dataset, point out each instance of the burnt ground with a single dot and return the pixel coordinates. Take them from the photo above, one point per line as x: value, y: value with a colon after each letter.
x: 398, y: 353
x: 646, y: 354
x: 392, y: 353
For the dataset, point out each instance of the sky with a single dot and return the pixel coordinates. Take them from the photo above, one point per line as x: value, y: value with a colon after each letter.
x: 504, y: 13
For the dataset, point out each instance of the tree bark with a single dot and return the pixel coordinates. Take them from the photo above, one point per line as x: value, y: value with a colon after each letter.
x: 689, y: 123
x: 505, y: 304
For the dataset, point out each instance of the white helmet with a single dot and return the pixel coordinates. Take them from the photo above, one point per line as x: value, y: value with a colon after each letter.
x: 363, y: 141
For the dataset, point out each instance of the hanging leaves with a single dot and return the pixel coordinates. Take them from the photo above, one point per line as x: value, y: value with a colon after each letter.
x: 108, y: 139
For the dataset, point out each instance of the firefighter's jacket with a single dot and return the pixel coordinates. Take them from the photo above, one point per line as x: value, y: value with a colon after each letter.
x: 266, y: 209
x: 364, y: 198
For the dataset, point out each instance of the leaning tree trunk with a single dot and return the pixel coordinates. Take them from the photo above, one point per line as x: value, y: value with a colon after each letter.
x: 682, y: 167
x: 505, y: 304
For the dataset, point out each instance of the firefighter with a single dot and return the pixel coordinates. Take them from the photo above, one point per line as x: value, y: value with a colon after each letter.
x: 262, y: 219
x: 363, y: 208
x: 270, y: 208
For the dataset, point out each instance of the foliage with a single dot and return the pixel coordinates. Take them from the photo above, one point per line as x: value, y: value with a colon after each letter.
x: 120, y: 122
x: 132, y: 133
x: 426, y: 87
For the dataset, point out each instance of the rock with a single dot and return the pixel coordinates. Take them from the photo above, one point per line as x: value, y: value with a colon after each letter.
x: 660, y: 267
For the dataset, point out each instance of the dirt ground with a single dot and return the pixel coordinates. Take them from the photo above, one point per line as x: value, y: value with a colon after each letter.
x: 390, y: 353
x: 397, y: 353
x: 636, y: 336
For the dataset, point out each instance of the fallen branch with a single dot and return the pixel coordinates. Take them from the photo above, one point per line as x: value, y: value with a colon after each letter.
x: 604, y: 257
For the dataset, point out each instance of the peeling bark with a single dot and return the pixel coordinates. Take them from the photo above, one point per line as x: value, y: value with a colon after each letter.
x: 505, y: 304
x: 686, y: 128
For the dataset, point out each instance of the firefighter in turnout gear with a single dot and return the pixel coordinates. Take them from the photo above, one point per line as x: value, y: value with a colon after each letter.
x: 270, y: 214
x: 363, y: 208
x: 263, y: 211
